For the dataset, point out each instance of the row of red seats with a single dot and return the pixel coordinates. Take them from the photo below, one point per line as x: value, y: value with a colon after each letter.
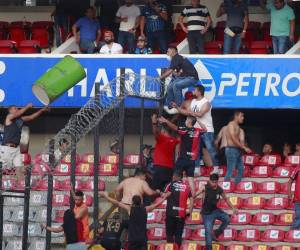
x: 24, y: 47
x: 195, y: 246
x: 60, y: 200
x: 249, y: 203
x: 230, y: 234
x: 252, y: 187
x: 242, y: 218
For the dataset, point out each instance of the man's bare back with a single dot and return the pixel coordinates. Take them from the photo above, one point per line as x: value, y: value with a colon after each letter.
x: 133, y: 186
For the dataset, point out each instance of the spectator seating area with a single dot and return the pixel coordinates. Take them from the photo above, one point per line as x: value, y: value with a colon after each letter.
x: 263, y: 221
x: 25, y: 37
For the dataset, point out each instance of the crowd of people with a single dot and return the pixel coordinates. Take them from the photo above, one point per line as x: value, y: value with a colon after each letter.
x: 142, y: 30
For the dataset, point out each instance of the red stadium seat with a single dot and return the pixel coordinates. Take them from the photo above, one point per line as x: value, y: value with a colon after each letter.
x: 261, y: 172
x: 263, y: 219
x: 20, y: 24
x: 272, y: 235
x: 63, y: 169
x: 216, y: 247
x: 56, y: 184
x: 154, y: 217
x: 213, y: 47
x: 237, y: 247
x: 8, y: 184
x: 252, y: 31
x: 235, y: 201
x: 163, y: 205
x: 29, y: 47
x: 194, y: 219
x: 26, y: 158
x: 268, y: 187
x: 285, y: 186
x: 187, y: 233
x: 270, y: 160
x: 219, y: 31
x: 67, y: 159
x: 108, y: 169
x: 167, y: 246
x: 17, y: 34
x: 132, y: 160
x: 156, y: 233
x: 4, y: 25
x: 41, y: 35
x: 246, y: 187
x: 190, y: 246
x: 259, y: 247
x: 242, y: 218
x: 199, y: 184
x: 41, y: 158
x: 282, y: 172
x: 229, y: 234
x: 42, y: 24
x: 60, y: 200
x: 292, y: 160
x: 84, y: 169
x: 88, y: 200
x: 88, y: 185
x: 200, y: 171
x: 254, y: 202
x: 111, y: 159
x: 198, y: 235
x: 266, y: 31
x: 248, y: 235
x: 198, y: 203
x: 292, y: 236
x: 59, y: 216
x: 277, y: 203
x: 88, y: 158
x: 180, y: 35
x: 260, y: 47
x: 284, y: 219
x: 251, y: 159
x: 7, y: 46
x: 284, y: 248
x: 228, y: 186
x: 42, y: 185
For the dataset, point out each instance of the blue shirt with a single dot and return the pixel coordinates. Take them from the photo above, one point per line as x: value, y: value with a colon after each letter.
x: 143, y: 51
x: 88, y: 28
x: 154, y: 22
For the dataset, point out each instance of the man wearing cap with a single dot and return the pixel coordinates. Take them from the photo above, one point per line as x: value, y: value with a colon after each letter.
x: 128, y: 17
x: 141, y: 46
x: 110, y: 47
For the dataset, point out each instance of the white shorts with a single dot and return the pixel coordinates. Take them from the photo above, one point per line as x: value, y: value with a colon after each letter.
x: 11, y: 157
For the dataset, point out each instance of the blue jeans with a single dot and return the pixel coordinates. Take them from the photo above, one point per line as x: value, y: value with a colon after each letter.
x: 208, y: 139
x: 127, y: 38
x: 175, y: 87
x: 296, y: 223
x: 234, y: 160
x: 160, y: 38
x: 209, y: 221
x: 232, y: 45
x: 87, y: 46
x: 280, y: 44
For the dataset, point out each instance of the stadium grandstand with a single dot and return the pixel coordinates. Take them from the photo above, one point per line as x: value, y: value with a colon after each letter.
x: 207, y: 89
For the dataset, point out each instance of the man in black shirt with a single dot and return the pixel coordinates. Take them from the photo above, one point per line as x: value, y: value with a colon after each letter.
x: 184, y: 75
x: 112, y: 230
x: 210, y: 212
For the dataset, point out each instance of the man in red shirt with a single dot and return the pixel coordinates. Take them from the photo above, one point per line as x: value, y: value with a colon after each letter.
x: 295, y: 177
x: 179, y: 193
x: 163, y: 155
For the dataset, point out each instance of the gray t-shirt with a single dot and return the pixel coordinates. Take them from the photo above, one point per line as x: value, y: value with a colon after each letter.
x: 235, y: 13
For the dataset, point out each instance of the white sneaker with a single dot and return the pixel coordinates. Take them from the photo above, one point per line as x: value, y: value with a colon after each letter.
x: 171, y: 111
x: 216, y: 170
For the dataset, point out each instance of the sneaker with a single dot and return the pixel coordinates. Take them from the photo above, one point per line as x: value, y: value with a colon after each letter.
x: 170, y: 111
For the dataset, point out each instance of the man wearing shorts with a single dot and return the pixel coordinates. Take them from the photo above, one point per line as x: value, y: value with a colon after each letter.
x: 10, y: 154
x: 189, y: 147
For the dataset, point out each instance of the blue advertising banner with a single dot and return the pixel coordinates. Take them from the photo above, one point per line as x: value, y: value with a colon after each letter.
x: 230, y: 82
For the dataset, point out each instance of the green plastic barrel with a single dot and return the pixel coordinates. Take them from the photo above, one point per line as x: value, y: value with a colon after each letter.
x: 59, y: 79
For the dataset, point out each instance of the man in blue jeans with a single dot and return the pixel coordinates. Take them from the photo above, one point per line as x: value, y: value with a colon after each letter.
x: 282, y: 24
x: 235, y: 147
x: 210, y: 212
x: 295, y: 177
x: 236, y: 24
x: 90, y: 32
x: 184, y: 75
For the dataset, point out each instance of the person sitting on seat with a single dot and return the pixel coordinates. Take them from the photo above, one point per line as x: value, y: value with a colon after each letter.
x: 267, y: 149
x: 110, y: 47
x: 141, y: 46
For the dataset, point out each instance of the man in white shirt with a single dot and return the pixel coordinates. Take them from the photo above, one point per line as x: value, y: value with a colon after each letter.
x: 110, y: 47
x: 128, y: 16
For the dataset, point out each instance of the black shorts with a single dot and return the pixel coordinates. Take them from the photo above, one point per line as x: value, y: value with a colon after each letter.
x: 111, y: 244
x: 161, y: 177
x: 186, y: 165
x: 137, y: 245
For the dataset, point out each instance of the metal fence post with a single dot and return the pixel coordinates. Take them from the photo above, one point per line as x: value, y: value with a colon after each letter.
x: 73, y: 168
x: 26, y: 208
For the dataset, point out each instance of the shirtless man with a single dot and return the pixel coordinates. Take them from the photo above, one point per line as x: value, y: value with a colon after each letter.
x: 234, y: 147
x: 10, y: 154
x: 132, y: 186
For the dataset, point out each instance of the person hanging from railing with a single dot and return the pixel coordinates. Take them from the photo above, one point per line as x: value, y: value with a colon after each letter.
x: 184, y: 75
x: 10, y: 154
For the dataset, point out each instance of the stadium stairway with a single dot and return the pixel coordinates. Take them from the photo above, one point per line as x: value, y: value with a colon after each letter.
x: 263, y: 220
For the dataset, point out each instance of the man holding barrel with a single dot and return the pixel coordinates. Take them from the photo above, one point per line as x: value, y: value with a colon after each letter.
x: 10, y: 154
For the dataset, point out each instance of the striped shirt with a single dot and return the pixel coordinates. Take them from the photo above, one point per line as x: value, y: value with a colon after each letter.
x: 154, y: 22
x: 196, y: 17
